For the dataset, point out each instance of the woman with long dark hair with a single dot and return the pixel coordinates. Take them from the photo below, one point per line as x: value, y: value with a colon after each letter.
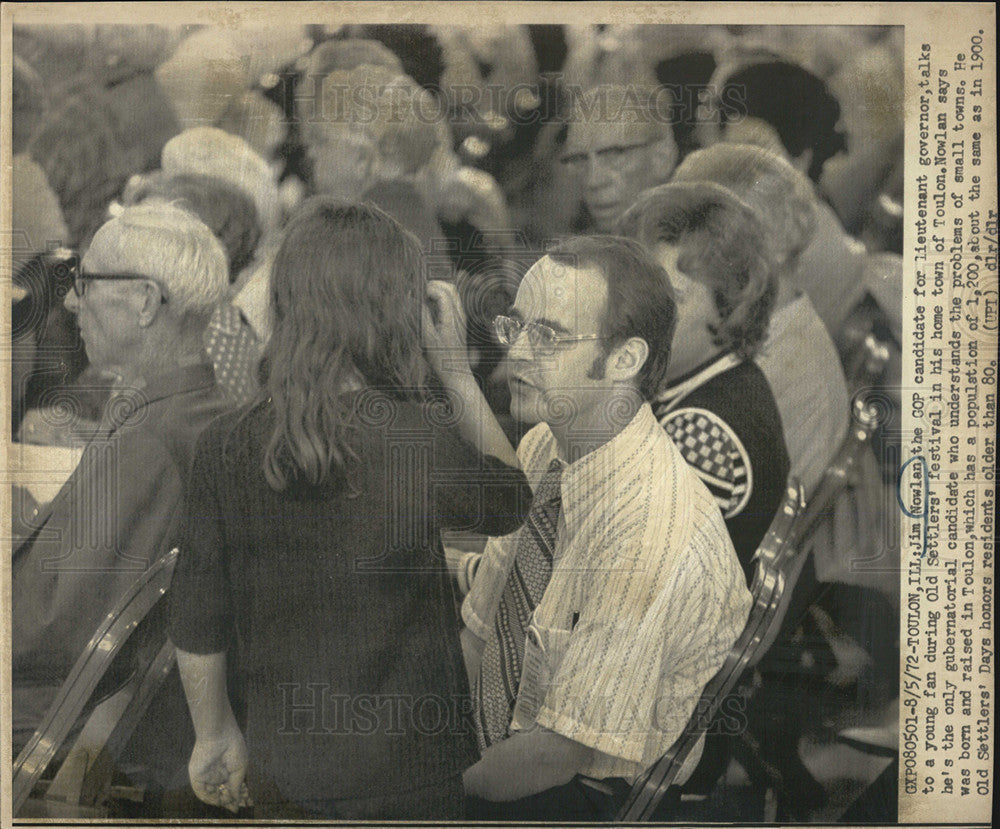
x: 311, y: 554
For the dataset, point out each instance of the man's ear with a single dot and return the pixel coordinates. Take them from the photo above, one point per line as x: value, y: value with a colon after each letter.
x: 151, y: 300
x: 627, y: 360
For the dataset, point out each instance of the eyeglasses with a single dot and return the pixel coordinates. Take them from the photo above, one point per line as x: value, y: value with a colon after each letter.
x: 542, y: 338
x: 615, y: 157
x: 81, y: 278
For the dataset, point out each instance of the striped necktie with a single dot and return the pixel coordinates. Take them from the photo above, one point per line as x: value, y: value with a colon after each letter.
x: 496, y: 685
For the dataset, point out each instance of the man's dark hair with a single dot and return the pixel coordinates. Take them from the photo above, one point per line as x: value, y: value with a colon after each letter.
x: 415, y: 45
x: 640, y: 299
x: 797, y: 104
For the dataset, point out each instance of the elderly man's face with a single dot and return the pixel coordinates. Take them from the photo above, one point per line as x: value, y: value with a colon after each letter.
x: 107, y: 312
x: 615, y: 162
x: 343, y: 162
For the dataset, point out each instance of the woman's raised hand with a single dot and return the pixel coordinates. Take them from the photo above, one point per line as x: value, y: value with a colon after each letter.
x: 444, y: 329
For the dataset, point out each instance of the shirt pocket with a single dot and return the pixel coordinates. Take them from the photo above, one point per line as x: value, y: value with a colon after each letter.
x: 544, y: 649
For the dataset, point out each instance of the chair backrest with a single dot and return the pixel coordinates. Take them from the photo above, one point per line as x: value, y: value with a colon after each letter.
x: 773, y: 559
x: 864, y: 421
x: 87, y: 673
x: 847, y: 469
x: 817, y: 509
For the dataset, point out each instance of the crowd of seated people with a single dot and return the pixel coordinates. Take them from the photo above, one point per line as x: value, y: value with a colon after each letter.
x: 585, y: 297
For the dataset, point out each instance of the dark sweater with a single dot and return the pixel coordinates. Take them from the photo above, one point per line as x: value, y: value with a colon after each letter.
x: 728, y: 428
x: 344, y: 614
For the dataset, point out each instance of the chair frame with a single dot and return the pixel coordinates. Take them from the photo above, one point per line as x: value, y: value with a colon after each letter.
x: 113, y: 719
x: 773, y: 556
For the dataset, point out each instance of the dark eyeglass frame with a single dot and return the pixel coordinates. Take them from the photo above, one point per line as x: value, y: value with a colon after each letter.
x: 543, y: 339
x: 81, y: 278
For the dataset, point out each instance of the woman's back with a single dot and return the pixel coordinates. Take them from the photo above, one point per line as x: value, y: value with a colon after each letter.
x: 344, y: 613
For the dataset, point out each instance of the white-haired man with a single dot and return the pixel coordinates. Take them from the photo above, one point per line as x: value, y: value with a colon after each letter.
x: 142, y: 295
x: 620, y: 141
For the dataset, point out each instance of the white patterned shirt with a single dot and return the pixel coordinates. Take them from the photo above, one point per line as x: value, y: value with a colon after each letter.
x: 645, y: 600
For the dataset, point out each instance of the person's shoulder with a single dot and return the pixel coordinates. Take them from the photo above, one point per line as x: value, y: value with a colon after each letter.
x: 707, y: 430
x: 676, y: 516
x: 743, y: 378
x: 231, y: 417
x: 379, y: 417
x: 204, y: 406
x: 656, y: 493
x: 742, y: 399
x: 797, y: 317
x: 708, y: 552
x: 796, y: 333
x: 241, y: 427
x: 170, y: 425
x: 186, y: 401
x: 380, y: 420
x: 718, y: 449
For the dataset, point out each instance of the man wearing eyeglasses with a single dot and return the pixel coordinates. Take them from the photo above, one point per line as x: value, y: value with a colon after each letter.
x: 619, y: 142
x: 592, y: 630
x: 142, y: 297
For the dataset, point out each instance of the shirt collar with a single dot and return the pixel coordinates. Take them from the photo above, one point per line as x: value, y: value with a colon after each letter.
x: 588, y: 478
x: 698, y: 376
x: 636, y: 428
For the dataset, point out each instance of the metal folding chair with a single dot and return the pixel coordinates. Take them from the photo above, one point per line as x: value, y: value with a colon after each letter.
x: 82, y: 785
x: 773, y: 558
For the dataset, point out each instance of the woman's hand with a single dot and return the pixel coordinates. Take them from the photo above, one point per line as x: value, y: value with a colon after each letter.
x: 218, y: 763
x: 217, y: 770
x: 444, y: 341
x: 444, y: 329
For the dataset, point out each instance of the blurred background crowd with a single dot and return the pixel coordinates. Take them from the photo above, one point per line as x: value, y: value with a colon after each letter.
x: 487, y: 143
x: 244, y: 124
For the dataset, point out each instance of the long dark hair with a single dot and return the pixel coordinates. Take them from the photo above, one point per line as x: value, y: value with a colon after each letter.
x: 347, y: 288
